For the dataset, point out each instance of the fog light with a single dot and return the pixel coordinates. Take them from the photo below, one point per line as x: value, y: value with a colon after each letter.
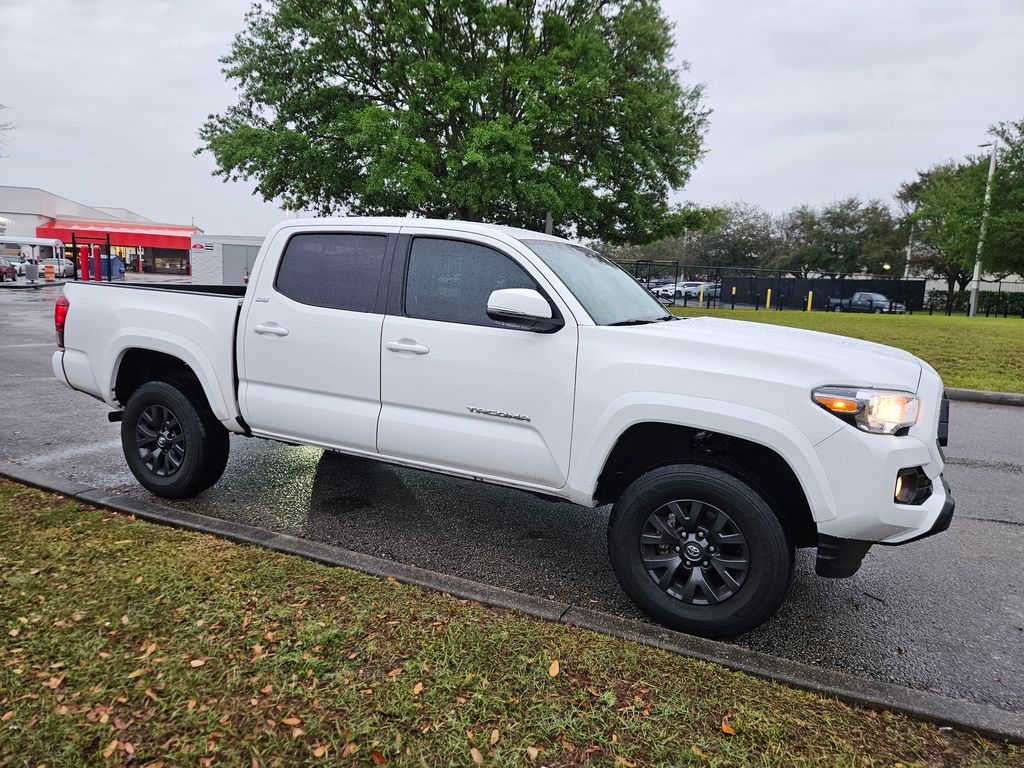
x: 912, y: 486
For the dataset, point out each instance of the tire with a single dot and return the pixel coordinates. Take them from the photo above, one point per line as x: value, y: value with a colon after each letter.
x: 878, y: 311
x: 725, y: 521
x: 196, y: 443
x: 837, y: 308
x: 678, y: 294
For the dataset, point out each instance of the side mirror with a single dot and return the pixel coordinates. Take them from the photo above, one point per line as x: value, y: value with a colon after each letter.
x: 523, y: 309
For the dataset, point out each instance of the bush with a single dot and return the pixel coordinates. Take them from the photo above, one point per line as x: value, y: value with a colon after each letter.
x: 988, y: 301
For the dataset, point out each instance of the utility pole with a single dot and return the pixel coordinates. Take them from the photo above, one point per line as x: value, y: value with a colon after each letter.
x: 984, y: 223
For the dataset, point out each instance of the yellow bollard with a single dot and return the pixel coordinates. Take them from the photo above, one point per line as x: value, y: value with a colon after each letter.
x: 700, y: 297
x: 768, y: 300
x: 49, y: 272
x: 810, y: 296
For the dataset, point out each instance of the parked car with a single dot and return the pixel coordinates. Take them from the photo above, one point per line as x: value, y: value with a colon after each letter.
x: 523, y: 360
x: 61, y: 267
x: 7, y: 270
x: 17, y: 262
x: 864, y: 301
x: 678, y: 290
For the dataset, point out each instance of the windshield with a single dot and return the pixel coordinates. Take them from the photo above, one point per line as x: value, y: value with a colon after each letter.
x: 606, y: 291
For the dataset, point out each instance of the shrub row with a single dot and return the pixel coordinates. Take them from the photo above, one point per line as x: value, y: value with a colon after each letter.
x: 988, y: 301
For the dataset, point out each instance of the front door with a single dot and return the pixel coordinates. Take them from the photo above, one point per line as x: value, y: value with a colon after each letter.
x: 309, y: 362
x: 458, y: 391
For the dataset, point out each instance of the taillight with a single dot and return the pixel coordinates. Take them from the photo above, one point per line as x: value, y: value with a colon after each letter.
x: 60, y: 316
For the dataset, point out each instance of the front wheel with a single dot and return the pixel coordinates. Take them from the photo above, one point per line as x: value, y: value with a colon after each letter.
x: 699, y: 550
x: 172, y: 442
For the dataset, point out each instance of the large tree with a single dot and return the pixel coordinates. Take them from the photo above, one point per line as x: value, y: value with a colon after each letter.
x: 846, y: 236
x: 496, y: 110
x: 946, y: 204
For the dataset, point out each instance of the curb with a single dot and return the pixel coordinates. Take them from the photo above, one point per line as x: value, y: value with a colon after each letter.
x: 984, y: 396
x: 984, y: 719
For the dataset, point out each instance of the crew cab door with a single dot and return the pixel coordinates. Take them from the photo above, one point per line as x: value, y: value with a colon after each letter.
x: 458, y: 390
x: 309, y: 340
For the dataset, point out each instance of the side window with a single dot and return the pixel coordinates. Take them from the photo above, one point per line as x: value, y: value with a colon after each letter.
x: 451, y: 280
x: 332, y: 270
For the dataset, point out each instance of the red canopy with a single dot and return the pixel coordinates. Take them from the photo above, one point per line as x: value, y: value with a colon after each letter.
x: 128, y: 233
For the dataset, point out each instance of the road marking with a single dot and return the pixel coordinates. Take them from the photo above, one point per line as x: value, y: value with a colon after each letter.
x: 67, y: 453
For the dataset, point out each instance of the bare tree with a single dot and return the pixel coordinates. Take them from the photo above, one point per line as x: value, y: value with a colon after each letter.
x: 4, y: 128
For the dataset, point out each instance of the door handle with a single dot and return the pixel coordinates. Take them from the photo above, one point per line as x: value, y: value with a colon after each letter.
x: 270, y: 328
x: 406, y: 345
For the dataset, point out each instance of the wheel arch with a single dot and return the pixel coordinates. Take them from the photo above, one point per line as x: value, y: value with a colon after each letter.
x: 658, y: 429
x: 136, y: 364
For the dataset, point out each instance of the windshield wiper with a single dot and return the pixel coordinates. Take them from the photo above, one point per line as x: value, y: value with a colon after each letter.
x: 633, y: 322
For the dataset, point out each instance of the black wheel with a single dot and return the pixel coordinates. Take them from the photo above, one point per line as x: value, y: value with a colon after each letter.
x: 678, y: 294
x: 699, y: 550
x: 172, y: 442
x: 878, y: 310
x: 837, y: 308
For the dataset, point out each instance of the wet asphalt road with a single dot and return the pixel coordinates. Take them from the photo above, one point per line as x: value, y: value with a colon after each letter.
x: 945, y: 614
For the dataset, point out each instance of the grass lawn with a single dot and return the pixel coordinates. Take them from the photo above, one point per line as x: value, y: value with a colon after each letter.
x: 126, y: 643
x: 974, y: 353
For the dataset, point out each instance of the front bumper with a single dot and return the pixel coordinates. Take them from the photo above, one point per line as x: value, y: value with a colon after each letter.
x: 840, y: 558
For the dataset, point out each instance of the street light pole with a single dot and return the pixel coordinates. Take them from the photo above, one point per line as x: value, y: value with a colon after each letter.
x: 984, y: 223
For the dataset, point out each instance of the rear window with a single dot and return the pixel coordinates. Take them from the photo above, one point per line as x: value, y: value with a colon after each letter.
x: 332, y: 270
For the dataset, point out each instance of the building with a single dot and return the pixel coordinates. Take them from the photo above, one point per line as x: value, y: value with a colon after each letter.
x: 223, y: 259
x: 144, y: 245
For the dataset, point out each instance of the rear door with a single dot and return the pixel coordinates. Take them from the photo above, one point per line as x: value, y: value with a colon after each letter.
x: 309, y: 362
x: 458, y: 390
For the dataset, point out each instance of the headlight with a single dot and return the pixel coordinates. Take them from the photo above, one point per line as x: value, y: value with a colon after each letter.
x: 881, y: 411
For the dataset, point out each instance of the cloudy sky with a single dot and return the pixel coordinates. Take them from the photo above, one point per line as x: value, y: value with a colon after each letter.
x: 812, y: 99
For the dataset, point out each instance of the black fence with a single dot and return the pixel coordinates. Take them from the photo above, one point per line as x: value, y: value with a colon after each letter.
x: 688, y: 285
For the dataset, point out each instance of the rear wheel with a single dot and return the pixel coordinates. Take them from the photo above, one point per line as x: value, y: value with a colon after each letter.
x: 837, y: 308
x: 699, y: 550
x: 172, y: 442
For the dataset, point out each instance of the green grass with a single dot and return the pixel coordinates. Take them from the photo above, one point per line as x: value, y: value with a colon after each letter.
x: 973, y: 353
x: 125, y: 643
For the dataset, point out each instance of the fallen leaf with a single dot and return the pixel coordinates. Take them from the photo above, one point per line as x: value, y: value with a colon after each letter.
x: 7, y: 716
x: 532, y: 752
x: 291, y: 721
x: 150, y: 694
x: 136, y: 673
x: 553, y: 669
x: 149, y: 650
x: 698, y: 751
x: 495, y: 736
x: 266, y: 689
x: 296, y: 732
x: 197, y: 662
x: 109, y: 749
x: 129, y: 748
x: 349, y: 749
x: 378, y: 758
x: 477, y: 757
x: 417, y: 689
x: 726, y: 725
x: 54, y: 682
x: 14, y: 632
x: 625, y: 762
x: 395, y: 672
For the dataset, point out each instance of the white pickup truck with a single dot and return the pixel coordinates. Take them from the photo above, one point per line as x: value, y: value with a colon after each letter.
x: 516, y: 358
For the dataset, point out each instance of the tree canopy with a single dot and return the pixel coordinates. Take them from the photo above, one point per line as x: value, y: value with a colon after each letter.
x: 946, y: 205
x: 476, y: 109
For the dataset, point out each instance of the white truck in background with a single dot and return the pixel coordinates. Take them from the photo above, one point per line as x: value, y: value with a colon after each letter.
x: 521, y: 359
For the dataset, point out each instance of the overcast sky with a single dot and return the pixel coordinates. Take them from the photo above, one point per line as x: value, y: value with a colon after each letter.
x: 812, y: 100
